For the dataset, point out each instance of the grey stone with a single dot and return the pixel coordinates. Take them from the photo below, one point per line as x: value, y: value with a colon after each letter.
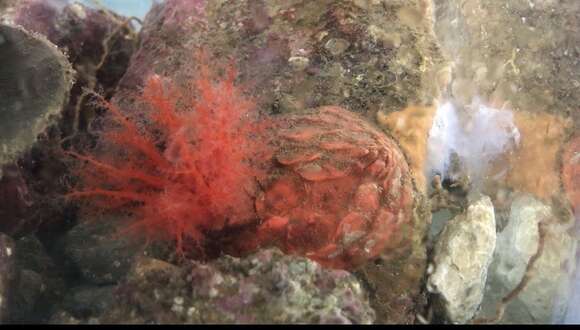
x: 35, y: 84
x: 7, y: 275
x: 89, y: 301
x: 100, y: 254
x: 30, y: 286
x: 507, y: 51
x: 266, y: 287
x: 20, y: 289
x: 544, y: 297
x: 41, y: 281
x: 462, y: 256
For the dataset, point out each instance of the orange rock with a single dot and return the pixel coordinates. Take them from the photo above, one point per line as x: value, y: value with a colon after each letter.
x: 534, y: 164
x: 410, y: 127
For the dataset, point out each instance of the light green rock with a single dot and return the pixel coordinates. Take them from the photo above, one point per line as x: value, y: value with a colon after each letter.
x: 34, y: 86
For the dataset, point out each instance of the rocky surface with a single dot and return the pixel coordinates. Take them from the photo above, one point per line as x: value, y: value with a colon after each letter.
x: 522, y: 52
x: 41, y: 281
x: 7, y: 276
x: 571, y: 173
x: 370, y: 57
x: 88, y: 301
x: 35, y: 85
x: 100, y: 251
x: 296, y: 55
x: 544, y: 298
x: 98, y: 45
x: 462, y: 255
x: 36, y: 82
x: 519, y: 56
x: 266, y: 287
x: 29, y: 285
x: 367, y: 56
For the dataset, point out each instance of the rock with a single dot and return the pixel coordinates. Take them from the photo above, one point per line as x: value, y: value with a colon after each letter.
x: 534, y: 167
x: 508, y: 52
x: 365, y: 56
x: 26, y: 296
x: 99, y: 44
x: 266, y: 287
x: 21, y: 289
x: 98, y: 252
x: 544, y: 298
x: 573, y: 314
x: 462, y: 256
x: 504, y: 55
x: 62, y: 317
x: 318, y: 53
x: 36, y: 79
x: 31, y: 254
x: 571, y: 173
x: 15, y: 199
x: 41, y: 279
x: 89, y: 301
x: 7, y: 276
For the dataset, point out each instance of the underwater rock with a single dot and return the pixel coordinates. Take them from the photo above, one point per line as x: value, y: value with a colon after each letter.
x: 41, y: 281
x: 544, y: 298
x: 15, y: 199
x: 520, y: 56
x: 36, y: 79
x: 98, y: 44
x: 32, y: 255
x: 571, y: 173
x: 463, y: 253
x: 98, y: 250
x: 524, y: 52
x: 27, y: 292
x: 63, y: 317
x: 534, y: 166
x: 7, y: 276
x: 266, y: 287
x: 21, y: 289
x: 367, y: 56
x: 89, y: 301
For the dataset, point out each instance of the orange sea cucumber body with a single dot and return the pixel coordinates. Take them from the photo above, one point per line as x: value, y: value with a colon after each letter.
x: 339, y: 191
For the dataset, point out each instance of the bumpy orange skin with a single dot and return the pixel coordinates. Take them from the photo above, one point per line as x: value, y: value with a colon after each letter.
x: 571, y: 172
x: 339, y: 191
